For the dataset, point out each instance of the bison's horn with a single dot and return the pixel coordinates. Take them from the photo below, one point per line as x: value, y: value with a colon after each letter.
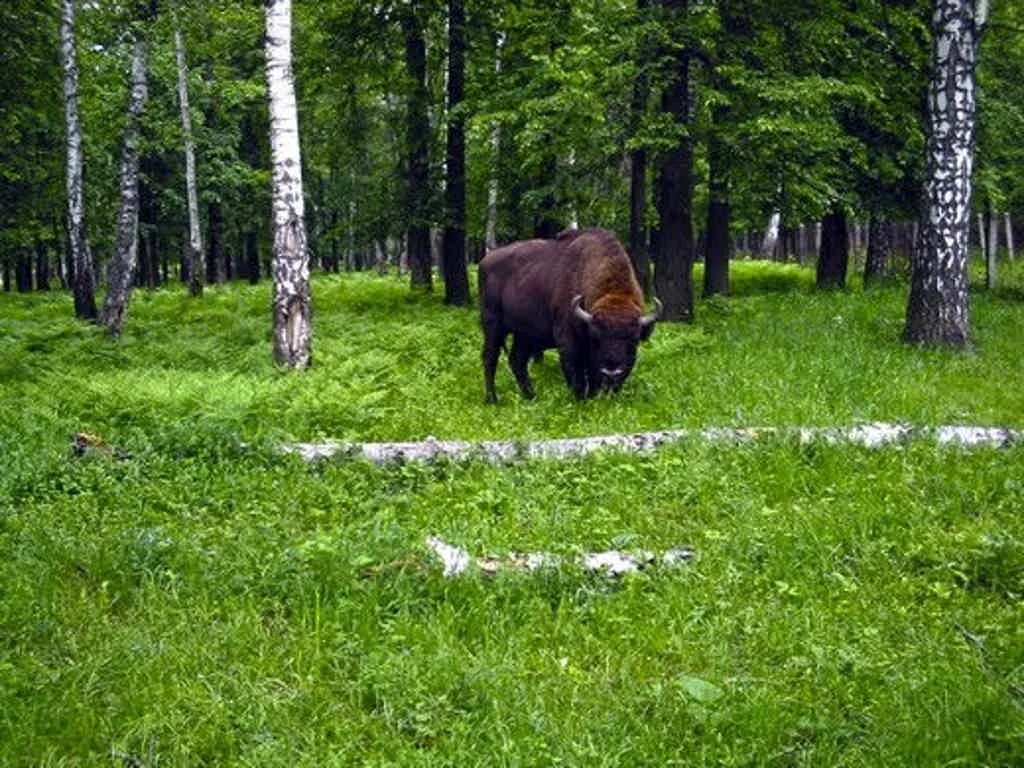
x: 579, y: 311
x: 650, y: 319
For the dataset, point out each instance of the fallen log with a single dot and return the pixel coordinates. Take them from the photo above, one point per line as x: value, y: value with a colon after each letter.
x: 873, y: 435
x: 456, y: 561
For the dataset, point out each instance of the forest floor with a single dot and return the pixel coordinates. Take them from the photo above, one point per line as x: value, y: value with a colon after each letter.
x: 197, y: 598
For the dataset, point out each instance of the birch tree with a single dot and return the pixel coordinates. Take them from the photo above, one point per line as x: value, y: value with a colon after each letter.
x: 937, y: 310
x: 195, y: 238
x: 491, y: 227
x: 83, y: 278
x: 290, y: 266
x: 122, y: 266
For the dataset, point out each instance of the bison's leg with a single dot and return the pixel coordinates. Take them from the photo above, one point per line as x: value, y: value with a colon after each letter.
x: 494, y: 340
x: 575, y: 373
x: 518, y: 361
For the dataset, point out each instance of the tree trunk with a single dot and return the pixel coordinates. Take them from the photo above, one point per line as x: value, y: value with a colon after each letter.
x: 771, y: 235
x: 122, y: 266
x: 81, y: 257
x: 216, y: 265
x: 252, y: 257
x: 547, y: 224
x: 982, y: 240
x: 835, y: 254
x: 492, y: 185
x: 937, y: 310
x: 195, y: 238
x: 418, y: 140
x: 290, y: 266
x: 42, y: 266
x: 673, y: 278
x: 716, y: 257
x: 876, y: 263
x: 7, y: 275
x: 456, y: 279
x: 1009, y: 235
x: 638, y: 252
x: 991, y: 250
x: 23, y: 271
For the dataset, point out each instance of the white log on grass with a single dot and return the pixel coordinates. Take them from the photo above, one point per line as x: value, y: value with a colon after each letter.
x: 874, y: 435
x: 196, y: 266
x: 290, y: 267
x: 84, y: 287
x: 121, y: 274
x: 456, y: 561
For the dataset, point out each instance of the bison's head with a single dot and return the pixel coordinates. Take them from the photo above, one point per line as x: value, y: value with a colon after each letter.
x: 613, y: 338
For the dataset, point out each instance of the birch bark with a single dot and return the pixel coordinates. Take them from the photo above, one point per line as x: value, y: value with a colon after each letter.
x: 1008, y: 223
x: 937, y: 311
x: 771, y: 235
x: 81, y: 275
x: 290, y: 264
x: 491, y: 238
x: 196, y: 269
x: 122, y: 266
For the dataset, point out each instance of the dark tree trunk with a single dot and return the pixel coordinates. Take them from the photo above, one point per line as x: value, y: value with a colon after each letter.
x: 716, y: 257
x: 145, y: 276
x: 876, y: 265
x: 23, y: 272
x: 673, y: 280
x: 155, y: 276
x: 834, y: 255
x: 252, y: 257
x: 547, y: 224
x: 937, y: 309
x: 7, y: 275
x: 638, y: 253
x: 418, y: 140
x: 216, y: 267
x: 42, y: 266
x: 456, y: 280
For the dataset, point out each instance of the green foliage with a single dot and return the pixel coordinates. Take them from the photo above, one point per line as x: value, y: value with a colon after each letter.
x: 204, y: 600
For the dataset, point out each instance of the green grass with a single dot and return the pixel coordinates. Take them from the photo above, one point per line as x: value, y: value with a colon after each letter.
x: 392, y: 366
x: 206, y: 603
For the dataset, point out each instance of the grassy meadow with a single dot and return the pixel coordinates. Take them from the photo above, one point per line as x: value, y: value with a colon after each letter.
x: 202, y: 600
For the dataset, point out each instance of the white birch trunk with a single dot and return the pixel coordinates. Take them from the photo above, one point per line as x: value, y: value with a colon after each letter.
x: 574, y: 218
x: 122, y: 266
x: 982, y: 239
x: 290, y: 266
x: 771, y: 235
x: 491, y: 238
x: 937, y: 311
x: 1009, y: 235
x: 196, y: 267
x: 84, y: 282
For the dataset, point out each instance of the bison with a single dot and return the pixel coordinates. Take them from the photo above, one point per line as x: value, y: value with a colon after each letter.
x: 577, y: 293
